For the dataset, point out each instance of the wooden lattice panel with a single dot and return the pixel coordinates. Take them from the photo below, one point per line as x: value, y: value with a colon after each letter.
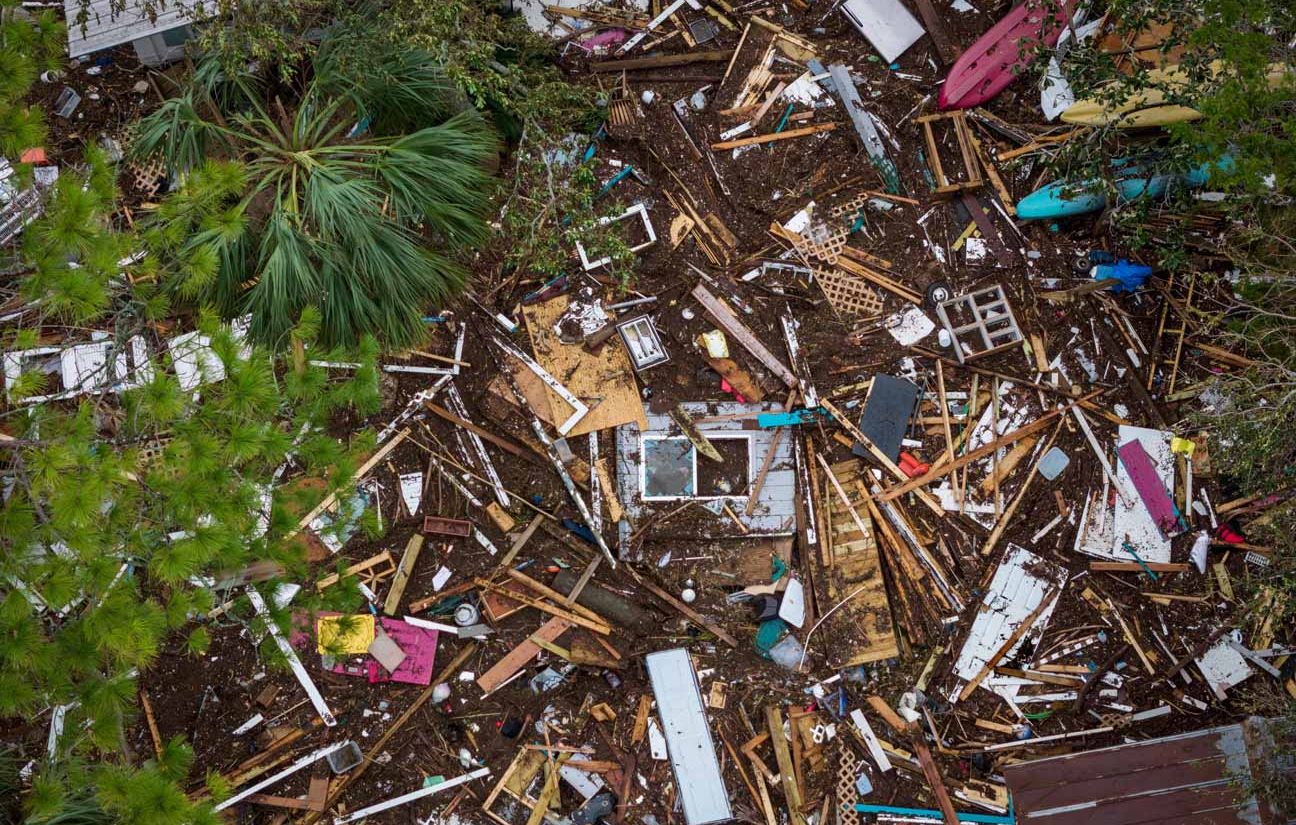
x: 147, y: 175
x: 818, y: 241
x: 851, y: 206
x: 849, y: 295
x: 847, y: 770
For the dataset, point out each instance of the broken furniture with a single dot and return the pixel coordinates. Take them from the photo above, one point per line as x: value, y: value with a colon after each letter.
x: 979, y: 323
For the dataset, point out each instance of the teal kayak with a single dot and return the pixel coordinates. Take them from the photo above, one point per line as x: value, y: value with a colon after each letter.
x: 1067, y: 199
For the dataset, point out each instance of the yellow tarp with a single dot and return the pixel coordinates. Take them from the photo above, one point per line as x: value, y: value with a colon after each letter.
x: 344, y: 634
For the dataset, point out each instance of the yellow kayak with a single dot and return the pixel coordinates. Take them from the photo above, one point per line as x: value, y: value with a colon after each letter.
x: 1148, y: 109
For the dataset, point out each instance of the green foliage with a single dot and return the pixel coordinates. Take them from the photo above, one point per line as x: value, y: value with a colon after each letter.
x: 71, y: 252
x: 552, y: 202
x: 302, y: 215
x: 28, y: 44
x: 495, y: 59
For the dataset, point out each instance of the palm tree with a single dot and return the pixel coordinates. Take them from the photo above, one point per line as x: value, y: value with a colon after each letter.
x: 352, y: 193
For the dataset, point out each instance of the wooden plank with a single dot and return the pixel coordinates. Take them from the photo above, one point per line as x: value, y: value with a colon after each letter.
x: 1135, y: 567
x: 641, y: 719
x: 945, y: 49
x: 665, y: 60
x: 403, y: 571
x: 932, y: 774
x: 787, y: 771
x: 888, y: 715
x: 691, y: 614
x: 773, y: 136
x: 518, y: 657
x: 725, y: 318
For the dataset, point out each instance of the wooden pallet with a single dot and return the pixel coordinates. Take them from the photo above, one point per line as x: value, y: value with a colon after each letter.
x: 853, y: 563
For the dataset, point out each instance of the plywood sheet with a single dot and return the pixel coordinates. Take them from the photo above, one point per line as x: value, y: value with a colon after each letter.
x: 862, y: 627
x: 604, y: 380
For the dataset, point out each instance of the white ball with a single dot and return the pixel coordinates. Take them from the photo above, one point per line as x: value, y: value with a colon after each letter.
x: 689, y: 595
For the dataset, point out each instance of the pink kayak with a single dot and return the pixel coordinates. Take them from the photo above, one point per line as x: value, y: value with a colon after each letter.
x: 999, y: 55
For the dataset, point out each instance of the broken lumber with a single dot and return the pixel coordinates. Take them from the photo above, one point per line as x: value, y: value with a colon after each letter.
x: 773, y: 136
x: 660, y: 62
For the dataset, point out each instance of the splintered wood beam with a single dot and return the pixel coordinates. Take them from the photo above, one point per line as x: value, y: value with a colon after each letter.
x: 773, y: 136
x: 724, y: 317
x: 661, y: 62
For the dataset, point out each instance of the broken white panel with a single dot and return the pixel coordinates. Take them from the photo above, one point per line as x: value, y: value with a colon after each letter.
x: 1056, y: 94
x: 909, y: 327
x: 983, y: 514
x: 587, y: 784
x: 1223, y: 667
x: 194, y: 360
x: 887, y: 24
x: 702, y: 792
x: 442, y: 576
x: 1132, y: 521
x: 870, y: 740
x: 83, y: 369
x: 657, y: 741
x: 806, y: 91
x: 792, y: 608
x: 1019, y: 586
x: 411, y: 489
x: 637, y: 209
x: 317, y: 699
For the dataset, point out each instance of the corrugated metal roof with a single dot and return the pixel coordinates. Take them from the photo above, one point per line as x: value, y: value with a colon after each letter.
x: 1194, y: 778
x: 105, y: 29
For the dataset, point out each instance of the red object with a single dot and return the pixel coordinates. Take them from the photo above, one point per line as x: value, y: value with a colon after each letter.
x: 725, y: 386
x: 35, y: 155
x: 911, y: 466
x: 1004, y: 52
x: 1228, y: 535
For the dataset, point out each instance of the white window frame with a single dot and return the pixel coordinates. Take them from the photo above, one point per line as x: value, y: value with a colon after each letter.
x: 732, y: 435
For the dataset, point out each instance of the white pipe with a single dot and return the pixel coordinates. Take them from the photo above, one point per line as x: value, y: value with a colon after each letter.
x: 403, y: 799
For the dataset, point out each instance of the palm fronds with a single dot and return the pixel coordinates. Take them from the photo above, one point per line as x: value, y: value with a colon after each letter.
x: 352, y: 200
